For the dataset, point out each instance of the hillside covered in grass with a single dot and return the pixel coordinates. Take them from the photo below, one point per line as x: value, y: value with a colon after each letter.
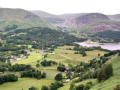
x: 21, y: 18
x: 112, y: 82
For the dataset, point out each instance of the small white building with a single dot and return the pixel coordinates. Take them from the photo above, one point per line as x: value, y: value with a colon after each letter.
x: 72, y: 73
x: 67, y: 80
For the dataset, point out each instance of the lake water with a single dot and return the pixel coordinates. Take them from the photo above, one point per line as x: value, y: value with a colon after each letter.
x: 108, y: 46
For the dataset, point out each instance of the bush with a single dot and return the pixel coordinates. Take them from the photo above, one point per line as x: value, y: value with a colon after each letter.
x: 8, y: 78
x: 44, y: 88
x: 56, y: 85
x: 117, y: 87
x: 20, y: 67
x: 3, y: 59
x: 43, y: 75
x: 48, y: 63
x: 79, y: 87
x: 58, y: 77
x: 105, y: 72
x: 87, y: 87
x: 33, y: 88
x: 34, y: 74
x: 37, y: 65
x: 61, y: 68
x: 2, y: 69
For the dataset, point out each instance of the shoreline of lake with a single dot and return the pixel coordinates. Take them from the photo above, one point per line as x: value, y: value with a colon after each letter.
x: 108, y: 46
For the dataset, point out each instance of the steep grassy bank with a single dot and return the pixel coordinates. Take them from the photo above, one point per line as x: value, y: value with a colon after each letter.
x: 114, y: 80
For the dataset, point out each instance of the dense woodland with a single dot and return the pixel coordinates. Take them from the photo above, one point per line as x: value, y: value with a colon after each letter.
x: 108, y: 36
x: 39, y: 37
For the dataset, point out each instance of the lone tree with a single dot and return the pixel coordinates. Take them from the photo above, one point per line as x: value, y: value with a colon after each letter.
x: 37, y: 65
x: 58, y: 77
x: 61, y: 67
x: 80, y: 87
x: 44, y: 88
x: 33, y: 88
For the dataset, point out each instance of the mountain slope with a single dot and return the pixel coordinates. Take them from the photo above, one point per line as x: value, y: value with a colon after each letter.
x: 95, y: 22
x: 90, y: 18
x: 48, y: 17
x: 114, y: 17
x: 78, y: 20
x: 19, y: 17
x: 85, y: 22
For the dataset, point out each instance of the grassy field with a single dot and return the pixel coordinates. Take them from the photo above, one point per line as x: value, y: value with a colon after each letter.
x: 114, y: 80
x: 63, y: 55
x: 67, y: 85
x: 31, y: 59
x: 25, y: 83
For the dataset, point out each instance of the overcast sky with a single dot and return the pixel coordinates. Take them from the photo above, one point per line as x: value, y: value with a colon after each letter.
x: 65, y: 6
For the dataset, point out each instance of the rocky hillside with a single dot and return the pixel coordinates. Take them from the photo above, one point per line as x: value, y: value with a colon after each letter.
x: 90, y: 21
x: 95, y: 22
x: 85, y: 22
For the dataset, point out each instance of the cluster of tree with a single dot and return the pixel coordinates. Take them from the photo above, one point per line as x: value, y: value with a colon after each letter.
x: 39, y: 37
x: 80, y: 50
x: 3, y: 59
x: 20, y: 67
x: 17, y: 53
x: 45, y: 56
x: 8, y: 78
x: 105, y: 73
x: 86, y: 75
x: 61, y: 67
x: 100, y: 74
x: 53, y: 86
x: 98, y: 63
x: 90, y: 70
x: 83, y: 53
x: 51, y: 49
x: 109, y: 35
x: 1, y: 44
x: 3, y: 68
x: 7, y: 50
x: 79, y: 68
x: 48, y: 63
x: 11, y: 47
x: 10, y: 27
x: 87, y: 86
x: 74, y: 71
x: 111, y: 53
x: 34, y: 74
x: 15, y: 68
